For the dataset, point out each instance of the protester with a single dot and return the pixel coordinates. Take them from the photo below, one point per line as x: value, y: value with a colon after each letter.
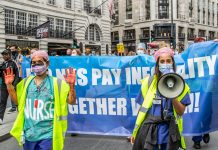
x: 97, y: 53
x: 205, y: 137
x: 14, y: 56
x: 14, y: 52
x: 19, y: 62
x: 76, y: 52
x: 69, y: 52
x: 131, y: 53
x: 30, y: 52
x: 114, y: 53
x: 88, y: 52
x: 33, y: 50
x: 8, y: 62
x: 141, y: 49
x: 156, y: 126
x: 42, y: 103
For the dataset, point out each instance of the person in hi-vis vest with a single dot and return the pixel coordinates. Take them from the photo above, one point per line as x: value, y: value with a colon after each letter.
x: 159, y: 123
x: 42, y: 105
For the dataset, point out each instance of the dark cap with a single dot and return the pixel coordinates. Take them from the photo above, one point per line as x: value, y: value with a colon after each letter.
x: 5, y: 52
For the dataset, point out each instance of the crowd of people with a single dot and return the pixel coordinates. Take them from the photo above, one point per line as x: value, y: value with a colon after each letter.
x: 154, y: 129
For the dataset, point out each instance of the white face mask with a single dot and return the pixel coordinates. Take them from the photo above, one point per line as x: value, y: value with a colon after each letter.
x: 166, y: 68
x: 74, y: 54
x: 140, y: 52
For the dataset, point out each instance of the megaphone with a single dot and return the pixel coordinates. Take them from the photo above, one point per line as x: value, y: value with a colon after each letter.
x: 171, y: 85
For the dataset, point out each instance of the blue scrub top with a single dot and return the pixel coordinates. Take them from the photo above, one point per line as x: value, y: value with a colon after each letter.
x: 155, y: 110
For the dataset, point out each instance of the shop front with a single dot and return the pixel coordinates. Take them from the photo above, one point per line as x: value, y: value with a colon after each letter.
x: 58, y: 49
x: 23, y: 45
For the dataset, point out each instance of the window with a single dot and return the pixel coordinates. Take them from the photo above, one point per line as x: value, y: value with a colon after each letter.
x: 93, y: 6
x: 51, y: 34
x: 116, y: 15
x: 213, y: 13
x: 32, y: 20
x: 68, y: 4
x: 51, y: 2
x: 164, y: 31
x: 145, y: 33
x: 201, y: 33
x: 129, y: 34
x: 68, y: 25
x: 190, y: 9
x: 97, y: 34
x: 128, y: 9
x: 211, y: 35
x: 32, y: 23
x: 115, y: 36
x: 199, y: 12
x: 203, y: 17
x: 96, y: 6
x: 21, y: 22
x: 93, y: 33
x: 68, y: 28
x: 59, y: 28
x: 9, y: 21
x: 87, y: 35
x: 177, y: 2
x: 191, y: 35
x: 163, y: 9
x: 209, y: 12
x: 217, y: 15
x: 59, y: 24
x: 148, y: 7
x: 87, y: 5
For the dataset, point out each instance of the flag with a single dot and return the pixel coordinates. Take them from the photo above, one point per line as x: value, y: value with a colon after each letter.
x: 42, y: 31
x: 111, y: 7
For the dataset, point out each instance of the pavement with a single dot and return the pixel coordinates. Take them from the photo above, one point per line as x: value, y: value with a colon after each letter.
x: 7, y: 124
x: 88, y: 142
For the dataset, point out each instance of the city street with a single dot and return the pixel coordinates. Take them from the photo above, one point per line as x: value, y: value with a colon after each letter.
x: 86, y: 142
x: 107, y: 67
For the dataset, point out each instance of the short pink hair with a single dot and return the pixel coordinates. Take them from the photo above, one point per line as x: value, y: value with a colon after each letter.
x: 164, y: 50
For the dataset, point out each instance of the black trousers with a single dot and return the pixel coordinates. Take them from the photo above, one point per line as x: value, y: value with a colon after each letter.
x: 3, y: 102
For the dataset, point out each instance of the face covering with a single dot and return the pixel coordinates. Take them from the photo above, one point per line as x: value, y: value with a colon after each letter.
x: 14, y: 53
x: 39, y: 69
x: 140, y: 52
x: 166, y: 68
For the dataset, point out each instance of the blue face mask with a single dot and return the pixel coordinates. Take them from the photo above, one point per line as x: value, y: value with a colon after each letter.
x: 166, y: 68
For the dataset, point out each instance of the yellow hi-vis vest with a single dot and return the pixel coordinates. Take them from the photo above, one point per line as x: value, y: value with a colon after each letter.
x: 61, y: 90
x: 148, y: 94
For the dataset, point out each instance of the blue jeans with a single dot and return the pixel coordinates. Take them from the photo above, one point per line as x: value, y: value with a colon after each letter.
x: 39, y: 145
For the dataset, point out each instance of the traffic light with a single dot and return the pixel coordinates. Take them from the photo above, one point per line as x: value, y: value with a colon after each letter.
x: 172, y: 42
x: 74, y: 45
x: 152, y: 35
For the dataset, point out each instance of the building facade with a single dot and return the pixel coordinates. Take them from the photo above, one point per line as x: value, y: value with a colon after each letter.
x: 145, y: 21
x: 80, y: 21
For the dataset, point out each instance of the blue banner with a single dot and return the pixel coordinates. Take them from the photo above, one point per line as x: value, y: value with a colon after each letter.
x: 107, y: 86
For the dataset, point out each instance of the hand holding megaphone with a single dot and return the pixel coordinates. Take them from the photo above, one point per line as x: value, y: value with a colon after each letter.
x: 170, y: 85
